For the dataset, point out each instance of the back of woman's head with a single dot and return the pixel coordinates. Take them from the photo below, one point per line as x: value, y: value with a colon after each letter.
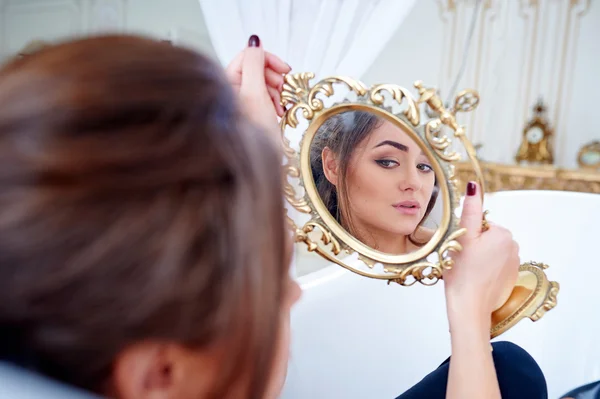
x: 130, y: 188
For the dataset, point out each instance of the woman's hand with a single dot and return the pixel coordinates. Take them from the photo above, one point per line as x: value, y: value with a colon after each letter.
x: 485, y: 271
x: 483, y: 276
x: 258, y: 78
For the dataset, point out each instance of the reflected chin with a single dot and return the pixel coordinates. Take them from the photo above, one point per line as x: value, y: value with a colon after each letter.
x: 406, y: 224
x: 404, y: 229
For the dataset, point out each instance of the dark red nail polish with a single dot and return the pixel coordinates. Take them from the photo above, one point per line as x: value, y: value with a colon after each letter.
x: 254, y: 41
x: 471, y: 188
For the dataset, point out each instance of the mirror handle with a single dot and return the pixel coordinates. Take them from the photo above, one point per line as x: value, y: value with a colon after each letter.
x: 530, y: 298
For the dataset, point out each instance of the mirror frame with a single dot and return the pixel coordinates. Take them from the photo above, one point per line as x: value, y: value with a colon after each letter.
x: 533, y: 294
x: 335, y: 242
x: 441, y: 170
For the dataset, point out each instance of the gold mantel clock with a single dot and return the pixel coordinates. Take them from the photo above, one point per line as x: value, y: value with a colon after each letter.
x: 536, y: 145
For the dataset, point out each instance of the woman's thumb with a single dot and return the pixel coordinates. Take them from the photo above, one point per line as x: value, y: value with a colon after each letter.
x: 472, y: 211
x: 253, y: 67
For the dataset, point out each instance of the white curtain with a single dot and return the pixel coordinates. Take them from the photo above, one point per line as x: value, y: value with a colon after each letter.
x: 327, y: 37
x: 342, y: 37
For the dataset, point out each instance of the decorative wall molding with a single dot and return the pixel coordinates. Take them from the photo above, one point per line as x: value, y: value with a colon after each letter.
x: 522, y: 50
x: 502, y: 177
x: 570, y: 46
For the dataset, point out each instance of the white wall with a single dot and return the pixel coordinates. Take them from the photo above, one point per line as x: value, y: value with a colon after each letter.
x: 24, y: 20
x: 521, y: 50
x: 180, y: 20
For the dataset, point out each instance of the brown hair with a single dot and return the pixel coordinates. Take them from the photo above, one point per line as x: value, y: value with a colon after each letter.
x: 130, y: 187
x: 342, y: 133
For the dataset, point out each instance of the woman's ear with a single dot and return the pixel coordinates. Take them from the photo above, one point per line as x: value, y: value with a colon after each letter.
x: 142, y: 371
x: 330, y: 166
x: 158, y: 370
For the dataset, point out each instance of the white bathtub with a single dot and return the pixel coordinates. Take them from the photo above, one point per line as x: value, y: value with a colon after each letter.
x: 355, y: 337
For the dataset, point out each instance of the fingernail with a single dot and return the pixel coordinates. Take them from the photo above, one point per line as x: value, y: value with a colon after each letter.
x: 471, y: 188
x: 289, y: 66
x: 254, y: 41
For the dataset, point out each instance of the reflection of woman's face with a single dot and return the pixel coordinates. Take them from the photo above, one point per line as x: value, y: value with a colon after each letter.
x: 389, y: 183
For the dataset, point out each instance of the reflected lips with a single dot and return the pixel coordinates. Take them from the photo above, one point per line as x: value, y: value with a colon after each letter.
x: 408, y: 207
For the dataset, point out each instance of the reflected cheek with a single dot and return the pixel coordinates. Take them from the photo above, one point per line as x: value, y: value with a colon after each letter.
x: 428, y: 187
x: 426, y: 192
x: 371, y: 184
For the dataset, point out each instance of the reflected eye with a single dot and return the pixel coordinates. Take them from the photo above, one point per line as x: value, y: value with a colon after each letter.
x: 386, y: 163
x: 423, y: 167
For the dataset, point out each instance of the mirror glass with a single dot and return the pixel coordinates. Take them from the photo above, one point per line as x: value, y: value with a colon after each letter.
x: 376, y: 181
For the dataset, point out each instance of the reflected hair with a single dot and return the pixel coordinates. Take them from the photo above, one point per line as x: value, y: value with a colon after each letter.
x: 130, y: 187
x: 342, y: 133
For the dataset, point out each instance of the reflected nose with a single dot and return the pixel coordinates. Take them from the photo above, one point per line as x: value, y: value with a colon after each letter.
x: 410, y: 180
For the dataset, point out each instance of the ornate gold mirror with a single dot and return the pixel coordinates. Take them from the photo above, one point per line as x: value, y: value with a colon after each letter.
x: 374, y: 184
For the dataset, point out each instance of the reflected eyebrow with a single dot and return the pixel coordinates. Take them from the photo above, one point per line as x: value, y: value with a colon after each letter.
x: 395, y: 144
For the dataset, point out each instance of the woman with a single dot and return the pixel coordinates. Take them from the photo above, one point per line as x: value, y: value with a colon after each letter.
x: 143, y: 250
x: 375, y: 180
